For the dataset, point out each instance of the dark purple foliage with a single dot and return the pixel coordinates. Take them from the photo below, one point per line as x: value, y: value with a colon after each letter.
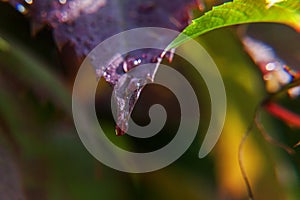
x: 84, y: 24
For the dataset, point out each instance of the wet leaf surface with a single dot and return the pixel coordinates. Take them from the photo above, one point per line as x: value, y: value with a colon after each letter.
x: 82, y: 25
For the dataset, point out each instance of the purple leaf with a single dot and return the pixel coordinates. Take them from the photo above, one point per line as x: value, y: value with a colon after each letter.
x: 84, y: 24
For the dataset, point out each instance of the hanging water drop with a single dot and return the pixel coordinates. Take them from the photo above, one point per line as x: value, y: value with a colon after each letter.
x: 119, y: 131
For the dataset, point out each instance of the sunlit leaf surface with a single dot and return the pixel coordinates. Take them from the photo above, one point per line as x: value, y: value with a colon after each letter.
x: 241, y: 12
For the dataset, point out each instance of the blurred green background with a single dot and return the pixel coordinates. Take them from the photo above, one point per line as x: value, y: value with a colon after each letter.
x: 42, y: 157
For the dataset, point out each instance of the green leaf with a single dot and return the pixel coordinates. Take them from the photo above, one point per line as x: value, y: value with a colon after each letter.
x: 241, y: 12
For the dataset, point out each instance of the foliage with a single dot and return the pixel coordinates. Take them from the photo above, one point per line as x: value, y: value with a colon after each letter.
x: 241, y: 12
x: 48, y: 161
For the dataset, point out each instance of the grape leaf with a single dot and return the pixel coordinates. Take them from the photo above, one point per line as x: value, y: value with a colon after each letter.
x: 241, y: 12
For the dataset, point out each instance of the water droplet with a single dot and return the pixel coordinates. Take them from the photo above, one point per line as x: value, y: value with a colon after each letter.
x: 62, y: 1
x: 138, y: 61
x: 125, y: 67
x: 272, y: 84
x: 29, y: 2
x: 21, y: 8
x: 127, y: 91
x: 283, y: 76
x: 119, y: 131
x: 294, y: 92
x: 268, y: 76
x: 270, y: 66
x: 128, y: 76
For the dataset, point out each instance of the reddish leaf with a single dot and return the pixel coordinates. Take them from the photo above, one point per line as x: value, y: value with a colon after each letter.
x: 84, y: 24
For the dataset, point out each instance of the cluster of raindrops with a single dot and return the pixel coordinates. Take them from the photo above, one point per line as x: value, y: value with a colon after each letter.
x: 120, y: 65
x: 128, y: 86
x: 276, y: 73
